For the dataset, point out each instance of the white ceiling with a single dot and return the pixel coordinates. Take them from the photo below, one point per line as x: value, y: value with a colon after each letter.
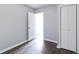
x: 36, y: 6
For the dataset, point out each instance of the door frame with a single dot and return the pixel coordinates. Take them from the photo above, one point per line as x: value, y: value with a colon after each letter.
x: 60, y: 35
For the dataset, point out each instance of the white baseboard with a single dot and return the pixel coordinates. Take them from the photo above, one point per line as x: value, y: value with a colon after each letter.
x: 58, y: 46
x: 6, y: 49
x: 51, y: 40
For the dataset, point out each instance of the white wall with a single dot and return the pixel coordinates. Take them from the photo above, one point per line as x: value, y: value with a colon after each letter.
x: 13, y: 24
x: 77, y: 28
x: 51, y: 22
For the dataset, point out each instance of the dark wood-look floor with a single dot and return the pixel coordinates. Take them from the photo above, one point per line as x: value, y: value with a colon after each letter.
x: 38, y: 47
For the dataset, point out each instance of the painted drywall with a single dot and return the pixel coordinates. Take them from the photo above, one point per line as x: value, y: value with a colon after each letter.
x: 51, y: 22
x: 13, y: 24
x: 77, y: 28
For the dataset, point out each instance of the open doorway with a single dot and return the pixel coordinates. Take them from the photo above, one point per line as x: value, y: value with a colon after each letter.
x: 39, y: 28
x: 35, y: 26
x: 39, y: 25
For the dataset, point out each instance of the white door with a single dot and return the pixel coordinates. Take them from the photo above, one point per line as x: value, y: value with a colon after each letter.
x: 68, y: 27
x: 31, y: 26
